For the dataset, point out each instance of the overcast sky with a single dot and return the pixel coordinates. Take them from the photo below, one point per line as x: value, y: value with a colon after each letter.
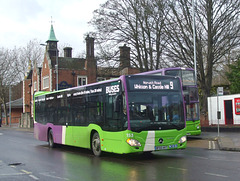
x: 25, y: 20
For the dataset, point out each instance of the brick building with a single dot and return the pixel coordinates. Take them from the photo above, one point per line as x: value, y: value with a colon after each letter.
x: 16, y: 111
x: 63, y: 72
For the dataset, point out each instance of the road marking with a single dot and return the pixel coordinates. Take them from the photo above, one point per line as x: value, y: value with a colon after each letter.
x: 15, y: 141
x: 211, y: 145
x: 26, y: 172
x: 11, y: 174
x: 33, y: 177
x: 49, y: 174
x: 217, y: 175
x: 200, y: 157
x: 30, y: 174
x: 182, y: 169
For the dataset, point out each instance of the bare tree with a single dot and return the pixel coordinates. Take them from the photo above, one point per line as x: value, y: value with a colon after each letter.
x: 32, y: 53
x: 8, y: 75
x: 14, y: 64
x: 139, y: 23
x: 160, y: 34
x: 217, y: 33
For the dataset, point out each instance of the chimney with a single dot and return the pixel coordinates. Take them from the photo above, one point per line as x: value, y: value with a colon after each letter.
x: 89, y: 47
x: 124, y: 56
x: 68, y: 52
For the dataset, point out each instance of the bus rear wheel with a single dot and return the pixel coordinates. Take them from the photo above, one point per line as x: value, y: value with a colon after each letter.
x: 50, y: 139
x: 96, y: 144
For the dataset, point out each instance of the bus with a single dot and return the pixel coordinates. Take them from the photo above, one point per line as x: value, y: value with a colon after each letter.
x: 130, y: 114
x: 190, y: 92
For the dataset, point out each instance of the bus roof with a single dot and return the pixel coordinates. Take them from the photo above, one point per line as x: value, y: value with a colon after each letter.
x: 87, y: 85
x: 97, y: 83
x: 164, y: 69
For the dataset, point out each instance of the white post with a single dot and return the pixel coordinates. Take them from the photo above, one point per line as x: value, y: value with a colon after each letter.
x: 219, y: 93
x: 218, y: 113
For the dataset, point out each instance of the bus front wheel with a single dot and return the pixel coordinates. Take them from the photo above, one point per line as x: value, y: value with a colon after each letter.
x: 50, y: 139
x: 96, y: 144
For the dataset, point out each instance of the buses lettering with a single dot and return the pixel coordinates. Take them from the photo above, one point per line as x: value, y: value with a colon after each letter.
x: 112, y: 89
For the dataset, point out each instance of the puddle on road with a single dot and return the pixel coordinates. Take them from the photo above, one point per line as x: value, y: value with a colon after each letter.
x: 14, y: 164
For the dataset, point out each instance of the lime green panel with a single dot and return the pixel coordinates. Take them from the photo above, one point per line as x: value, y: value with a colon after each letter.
x: 80, y: 136
x: 116, y: 142
x: 77, y: 136
x: 193, y: 127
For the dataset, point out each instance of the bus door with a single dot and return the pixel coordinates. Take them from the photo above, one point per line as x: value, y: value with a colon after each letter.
x: 228, y: 109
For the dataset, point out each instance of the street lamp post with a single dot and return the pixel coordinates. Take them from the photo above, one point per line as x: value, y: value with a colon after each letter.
x: 56, y: 67
x: 194, y: 40
x: 10, y: 107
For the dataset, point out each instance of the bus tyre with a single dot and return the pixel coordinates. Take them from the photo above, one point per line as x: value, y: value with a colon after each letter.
x: 96, y: 144
x: 50, y: 139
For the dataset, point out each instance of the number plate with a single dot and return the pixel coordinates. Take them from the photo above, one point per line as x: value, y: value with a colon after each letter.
x: 161, y: 147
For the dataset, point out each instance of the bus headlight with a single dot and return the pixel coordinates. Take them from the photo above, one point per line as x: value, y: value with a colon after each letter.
x: 182, y: 140
x: 133, y: 142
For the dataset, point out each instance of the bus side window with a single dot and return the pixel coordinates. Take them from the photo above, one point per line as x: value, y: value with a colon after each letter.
x: 94, y: 106
x: 78, y: 111
x: 118, y: 102
x: 114, y: 116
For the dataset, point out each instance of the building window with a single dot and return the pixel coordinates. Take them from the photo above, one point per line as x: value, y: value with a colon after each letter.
x: 82, y: 80
x: 35, y: 86
x: 46, y: 82
x: 99, y: 79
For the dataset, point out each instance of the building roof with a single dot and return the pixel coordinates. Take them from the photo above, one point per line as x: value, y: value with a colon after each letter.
x: 108, y: 72
x: 18, y: 103
x: 52, y: 36
x: 69, y: 63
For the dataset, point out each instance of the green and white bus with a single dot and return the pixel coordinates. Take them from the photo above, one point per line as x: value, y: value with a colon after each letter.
x: 126, y: 115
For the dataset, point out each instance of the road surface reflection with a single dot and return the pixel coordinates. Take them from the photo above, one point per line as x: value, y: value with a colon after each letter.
x: 79, y: 164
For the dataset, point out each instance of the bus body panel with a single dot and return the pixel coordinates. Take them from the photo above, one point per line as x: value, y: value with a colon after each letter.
x: 114, y: 142
x: 41, y: 132
x: 81, y: 136
x: 193, y: 128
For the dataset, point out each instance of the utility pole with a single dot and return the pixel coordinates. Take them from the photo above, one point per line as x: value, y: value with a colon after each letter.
x: 194, y: 40
x: 10, y: 108
x: 56, y: 67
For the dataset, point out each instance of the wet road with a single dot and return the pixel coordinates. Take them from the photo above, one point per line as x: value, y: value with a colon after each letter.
x: 24, y: 158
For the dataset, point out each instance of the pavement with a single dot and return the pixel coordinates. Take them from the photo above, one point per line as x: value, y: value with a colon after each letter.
x: 228, y: 139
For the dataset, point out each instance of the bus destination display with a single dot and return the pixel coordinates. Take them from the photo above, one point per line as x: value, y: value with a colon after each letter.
x: 149, y: 84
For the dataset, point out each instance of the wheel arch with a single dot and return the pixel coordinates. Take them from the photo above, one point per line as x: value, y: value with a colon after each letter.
x: 49, y: 128
x: 91, y: 136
